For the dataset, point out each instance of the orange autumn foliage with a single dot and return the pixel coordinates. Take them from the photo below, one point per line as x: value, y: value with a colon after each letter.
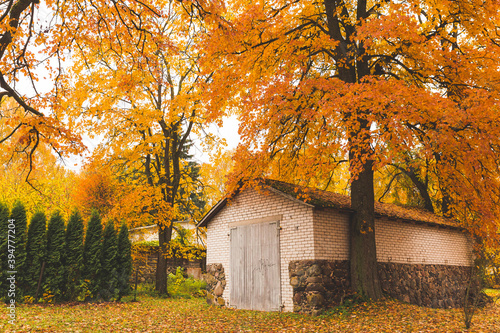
x: 136, y: 83
x: 95, y: 189
x: 430, y: 86
x: 316, y: 83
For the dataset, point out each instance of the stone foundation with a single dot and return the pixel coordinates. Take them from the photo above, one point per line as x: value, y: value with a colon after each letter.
x: 145, y: 263
x: 216, y: 283
x: 435, y: 286
x: 319, y: 284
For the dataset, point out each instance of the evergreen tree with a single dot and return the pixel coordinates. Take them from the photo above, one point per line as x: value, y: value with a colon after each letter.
x: 35, y: 251
x: 92, y: 253
x: 54, y: 267
x: 4, y: 222
x: 108, y: 276
x: 73, y: 256
x: 18, y: 215
x: 124, y: 261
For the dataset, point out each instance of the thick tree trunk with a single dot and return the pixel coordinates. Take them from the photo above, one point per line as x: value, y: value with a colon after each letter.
x: 164, y: 236
x: 363, y: 250
x: 352, y: 66
x: 363, y: 258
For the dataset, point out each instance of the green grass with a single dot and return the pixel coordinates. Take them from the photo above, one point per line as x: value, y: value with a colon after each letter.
x: 178, y: 287
x: 151, y: 314
x: 495, y: 294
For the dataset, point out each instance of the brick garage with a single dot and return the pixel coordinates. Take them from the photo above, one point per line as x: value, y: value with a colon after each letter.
x: 423, y: 259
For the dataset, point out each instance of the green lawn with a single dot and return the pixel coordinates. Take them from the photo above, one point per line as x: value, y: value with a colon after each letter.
x: 193, y: 315
x: 494, y: 293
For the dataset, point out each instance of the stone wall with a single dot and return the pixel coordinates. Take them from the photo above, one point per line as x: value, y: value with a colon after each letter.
x: 216, y: 283
x: 436, y: 286
x: 145, y: 264
x: 319, y: 284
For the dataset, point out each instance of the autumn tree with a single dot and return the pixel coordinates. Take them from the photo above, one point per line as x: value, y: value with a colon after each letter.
x: 73, y: 255
x: 214, y: 175
x: 35, y: 251
x: 49, y: 185
x: 33, y: 54
x: 319, y: 83
x: 55, y: 270
x: 95, y: 189
x: 27, y: 122
x: 140, y: 91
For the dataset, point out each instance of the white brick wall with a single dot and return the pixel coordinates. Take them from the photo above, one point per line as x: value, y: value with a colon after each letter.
x: 331, y: 235
x: 296, y: 235
x: 407, y: 243
x: 396, y: 241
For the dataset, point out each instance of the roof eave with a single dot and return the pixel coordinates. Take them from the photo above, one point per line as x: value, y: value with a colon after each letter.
x: 212, y: 212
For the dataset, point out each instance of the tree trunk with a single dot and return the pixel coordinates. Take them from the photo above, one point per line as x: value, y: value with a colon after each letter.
x: 164, y: 237
x: 364, y: 274
x: 363, y: 251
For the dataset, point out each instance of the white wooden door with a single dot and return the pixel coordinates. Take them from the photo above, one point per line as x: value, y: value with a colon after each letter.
x: 255, y: 267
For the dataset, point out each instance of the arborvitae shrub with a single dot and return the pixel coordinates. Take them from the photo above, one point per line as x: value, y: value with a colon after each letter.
x: 73, y: 256
x: 124, y: 262
x: 92, y: 254
x: 18, y: 214
x: 108, y: 276
x: 54, y: 267
x: 4, y: 222
x: 35, y: 251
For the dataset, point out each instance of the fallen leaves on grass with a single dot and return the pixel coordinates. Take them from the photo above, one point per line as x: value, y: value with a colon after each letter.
x: 193, y: 315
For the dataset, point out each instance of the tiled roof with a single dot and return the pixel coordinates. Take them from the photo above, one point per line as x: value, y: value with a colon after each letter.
x: 326, y: 199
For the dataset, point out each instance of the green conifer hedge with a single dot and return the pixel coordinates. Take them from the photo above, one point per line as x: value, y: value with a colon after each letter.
x: 55, y: 269
x: 73, y: 256
x: 35, y: 251
x: 18, y: 215
x: 108, y: 276
x: 124, y: 261
x: 92, y: 254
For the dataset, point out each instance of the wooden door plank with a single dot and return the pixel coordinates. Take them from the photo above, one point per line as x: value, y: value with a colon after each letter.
x: 255, y: 267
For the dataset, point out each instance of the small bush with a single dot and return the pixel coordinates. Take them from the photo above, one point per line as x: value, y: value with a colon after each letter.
x: 84, y: 291
x: 179, y: 286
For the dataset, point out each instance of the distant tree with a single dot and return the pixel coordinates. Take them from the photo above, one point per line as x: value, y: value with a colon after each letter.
x: 183, y: 236
x: 18, y: 214
x: 35, y: 250
x: 108, y: 275
x: 96, y: 189
x: 92, y: 253
x: 145, y: 99
x: 124, y: 261
x: 4, y: 222
x: 54, y: 267
x: 73, y: 255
